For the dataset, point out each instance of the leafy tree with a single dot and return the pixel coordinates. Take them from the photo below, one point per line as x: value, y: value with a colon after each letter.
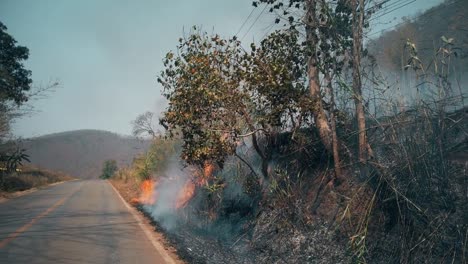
x: 109, y: 169
x: 276, y: 82
x: 333, y: 39
x: 220, y: 94
x: 15, y: 80
x: 156, y: 160
x: 205, y: 99
x: 15, y: 90
x: 326, y: 28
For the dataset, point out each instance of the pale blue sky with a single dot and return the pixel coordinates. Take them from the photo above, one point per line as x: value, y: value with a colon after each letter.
x: 107, y: 53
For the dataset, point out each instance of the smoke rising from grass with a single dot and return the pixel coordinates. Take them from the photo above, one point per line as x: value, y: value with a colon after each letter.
x: 166, y: 193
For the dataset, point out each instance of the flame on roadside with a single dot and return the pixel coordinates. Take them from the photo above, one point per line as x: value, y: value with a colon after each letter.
x: 188, y: 190
x: 206, y: 175
x: 149, y: 188
x: 185, y: 194
x: 147, y: 193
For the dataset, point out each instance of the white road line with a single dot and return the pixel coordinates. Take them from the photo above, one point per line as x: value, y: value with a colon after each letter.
x: 148, y: 233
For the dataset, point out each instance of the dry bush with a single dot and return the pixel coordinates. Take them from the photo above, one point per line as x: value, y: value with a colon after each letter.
x: 418, y: 173
x: 32, y: 177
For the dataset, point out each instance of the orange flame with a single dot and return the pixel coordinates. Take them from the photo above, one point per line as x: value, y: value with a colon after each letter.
x: 185, y: 194
x: 208, y: 170
x: 188, y: 190
x: 147, y: 195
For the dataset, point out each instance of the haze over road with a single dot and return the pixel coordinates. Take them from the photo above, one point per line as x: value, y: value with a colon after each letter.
x: 75, y: 222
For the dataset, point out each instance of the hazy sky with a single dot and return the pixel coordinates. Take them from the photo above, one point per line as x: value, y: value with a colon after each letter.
x: 106, y: 54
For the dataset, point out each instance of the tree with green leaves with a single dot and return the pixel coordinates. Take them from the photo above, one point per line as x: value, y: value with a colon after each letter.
x: 109, y: 169
x: 155, y: 161
x: 15, y: 80
x: 276, y: 82
x: 205, y: 101
x: 326, y: 30
x: 220, y: 94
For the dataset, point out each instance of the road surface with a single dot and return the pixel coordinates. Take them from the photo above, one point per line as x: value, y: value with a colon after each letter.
x: 81, y: 221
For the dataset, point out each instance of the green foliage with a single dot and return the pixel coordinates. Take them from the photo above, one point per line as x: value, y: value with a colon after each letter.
x: 15, y: 80
x: 109, y: 169
x: 276, y: 81
x: 10, y: 161
x: 332, y: 28
x: 220, y: 94
x: 152, y: 163
x: 155, y: 160
x: 205, y: 101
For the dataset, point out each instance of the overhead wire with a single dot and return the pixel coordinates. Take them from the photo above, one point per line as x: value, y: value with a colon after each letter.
x: 422, y: 15
x: 393, y: 10
x: 245, y: 21
x: 251, y: 26
x: 385, y: 6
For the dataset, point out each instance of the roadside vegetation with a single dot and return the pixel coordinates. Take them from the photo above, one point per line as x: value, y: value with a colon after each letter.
x: 25, y: 178
x: 304, y: 149
x: 109, y: 169
x: 16, y: 90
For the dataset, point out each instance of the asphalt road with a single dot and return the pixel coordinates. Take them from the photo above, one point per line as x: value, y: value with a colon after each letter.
x: 75, y: 222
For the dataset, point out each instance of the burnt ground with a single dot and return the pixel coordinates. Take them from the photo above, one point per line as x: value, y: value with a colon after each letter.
x: 195, y: 246
x: 192, y: 245
x: 265, y: 238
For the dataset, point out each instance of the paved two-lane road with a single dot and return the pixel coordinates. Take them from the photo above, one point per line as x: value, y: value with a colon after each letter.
x: 81, y: 221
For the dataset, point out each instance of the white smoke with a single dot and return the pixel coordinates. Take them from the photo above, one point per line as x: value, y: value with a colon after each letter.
x: 166, y: 193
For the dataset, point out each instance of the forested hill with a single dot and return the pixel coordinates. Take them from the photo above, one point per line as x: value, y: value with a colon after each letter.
x: 81, y: 153
x: 425, y: 30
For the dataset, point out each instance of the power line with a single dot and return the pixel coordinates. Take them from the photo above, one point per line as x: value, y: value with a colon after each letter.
x: 417, y: 17
x: 268, y: 31
x: 251, y: 26
x: 245, y: 21
x: 393, y: 10
x: 377, y: 5
x: 386, y: 7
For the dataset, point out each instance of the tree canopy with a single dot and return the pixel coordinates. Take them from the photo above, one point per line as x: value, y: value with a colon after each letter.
x: 221, y: 94
x: 110, y: 167
x: 15, y: 80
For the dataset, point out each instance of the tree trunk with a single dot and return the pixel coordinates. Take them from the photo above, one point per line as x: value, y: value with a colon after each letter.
x: 358, y: 20
x: 335, y: 143
x: 313, y: 74
x: 264, y: 156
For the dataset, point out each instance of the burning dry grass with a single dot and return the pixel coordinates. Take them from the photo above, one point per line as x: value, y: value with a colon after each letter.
x: 149, y: 189
x: 131, y: 189
x: 147, y: 193
x: 185, y: 194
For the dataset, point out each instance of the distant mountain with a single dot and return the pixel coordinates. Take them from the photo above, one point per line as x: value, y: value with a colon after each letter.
x: 82, y: 153
x: 425, y: 30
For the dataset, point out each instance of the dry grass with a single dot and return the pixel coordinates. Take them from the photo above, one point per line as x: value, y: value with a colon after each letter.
x: 32, y: 177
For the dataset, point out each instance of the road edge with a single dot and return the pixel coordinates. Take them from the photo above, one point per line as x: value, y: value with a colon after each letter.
x: 31, y: 190
x: 149, y: 233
